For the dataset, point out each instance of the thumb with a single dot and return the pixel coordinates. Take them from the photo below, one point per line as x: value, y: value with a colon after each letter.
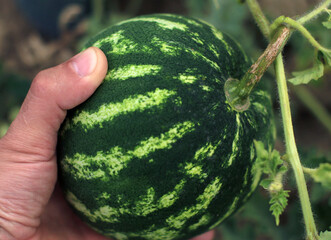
x: 52, y: 92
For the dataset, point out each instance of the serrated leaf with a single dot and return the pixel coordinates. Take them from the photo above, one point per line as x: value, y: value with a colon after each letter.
x: 325, y: 235
x: 278, y: 203
x: 269, y: 162
x: 305, y: 76
x: 323, y: 175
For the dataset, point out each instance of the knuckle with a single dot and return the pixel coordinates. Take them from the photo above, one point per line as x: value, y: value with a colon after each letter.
x: 45, y: 82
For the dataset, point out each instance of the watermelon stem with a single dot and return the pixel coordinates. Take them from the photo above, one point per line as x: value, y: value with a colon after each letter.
x: 292, y: 151
x: 238, y: 91
x: 259, y: 17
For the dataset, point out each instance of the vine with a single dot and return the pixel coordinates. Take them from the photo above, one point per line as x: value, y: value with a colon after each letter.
x: 238, y: 91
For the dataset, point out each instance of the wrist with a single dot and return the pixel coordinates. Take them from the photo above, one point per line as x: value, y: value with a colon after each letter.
x: 14, y: 225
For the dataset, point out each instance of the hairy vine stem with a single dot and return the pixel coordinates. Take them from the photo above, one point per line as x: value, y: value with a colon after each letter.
x: 259, y: 17
x: 298, y: 26
x: 237, y: 92
x: 292, y: 151
x: 306, y: 18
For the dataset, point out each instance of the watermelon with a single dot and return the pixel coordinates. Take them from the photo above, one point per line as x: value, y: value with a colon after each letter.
x: 157, y: 152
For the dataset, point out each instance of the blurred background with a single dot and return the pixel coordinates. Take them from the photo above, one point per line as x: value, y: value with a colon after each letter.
x: 37, y: 34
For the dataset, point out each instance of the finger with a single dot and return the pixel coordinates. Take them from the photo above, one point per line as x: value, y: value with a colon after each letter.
x: 52, y: 92
x: 206, y: 236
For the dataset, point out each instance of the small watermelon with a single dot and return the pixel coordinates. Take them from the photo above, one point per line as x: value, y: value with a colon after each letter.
x: 157, y: 152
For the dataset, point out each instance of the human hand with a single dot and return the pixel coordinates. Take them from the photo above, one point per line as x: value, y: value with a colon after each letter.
x: 31, y: 204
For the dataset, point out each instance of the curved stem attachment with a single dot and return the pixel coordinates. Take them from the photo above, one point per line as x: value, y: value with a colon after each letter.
x: 298, y: 26
x: 238, y: 91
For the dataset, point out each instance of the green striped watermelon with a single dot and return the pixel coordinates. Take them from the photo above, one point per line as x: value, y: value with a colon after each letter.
x: 157, y: 153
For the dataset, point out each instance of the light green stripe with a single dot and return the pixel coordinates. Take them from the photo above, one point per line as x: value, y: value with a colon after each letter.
x: 250, y: 119
x: 121, y: 45
x: 194, y: 170
x: 162, y: 23
x: 107, y: 112
x: 189, y: 21
x: 118, y: 235
x: 207, y: 151
x: 220, y: 37
x: 196, y: 38
x: 133, y: 71
x: 204, y: 220
x: 206, y: 88
x: 103, y: 213
x: 82, y: 166
x: 197, y: 54
x: 165, y: 141
x: 166, y: 47
x: 235, y: 148
x: 190, y: 76
x: 187, y: 79
x: 147, y: 203
x: 203, y: 201
x: 112, y: 40
x: 193, y: 22
x: 260, y: 107
x: 169, y: 198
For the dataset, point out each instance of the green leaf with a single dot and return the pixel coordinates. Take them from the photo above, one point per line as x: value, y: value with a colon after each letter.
x: 305, y: 76
x: 327, y: 24
x: 325, y: 235
x: 278, y: 203
x: 270, y: 162
x: 322, y: 174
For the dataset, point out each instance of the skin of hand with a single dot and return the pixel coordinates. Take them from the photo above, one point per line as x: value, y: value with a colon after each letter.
x: 32, y: 206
